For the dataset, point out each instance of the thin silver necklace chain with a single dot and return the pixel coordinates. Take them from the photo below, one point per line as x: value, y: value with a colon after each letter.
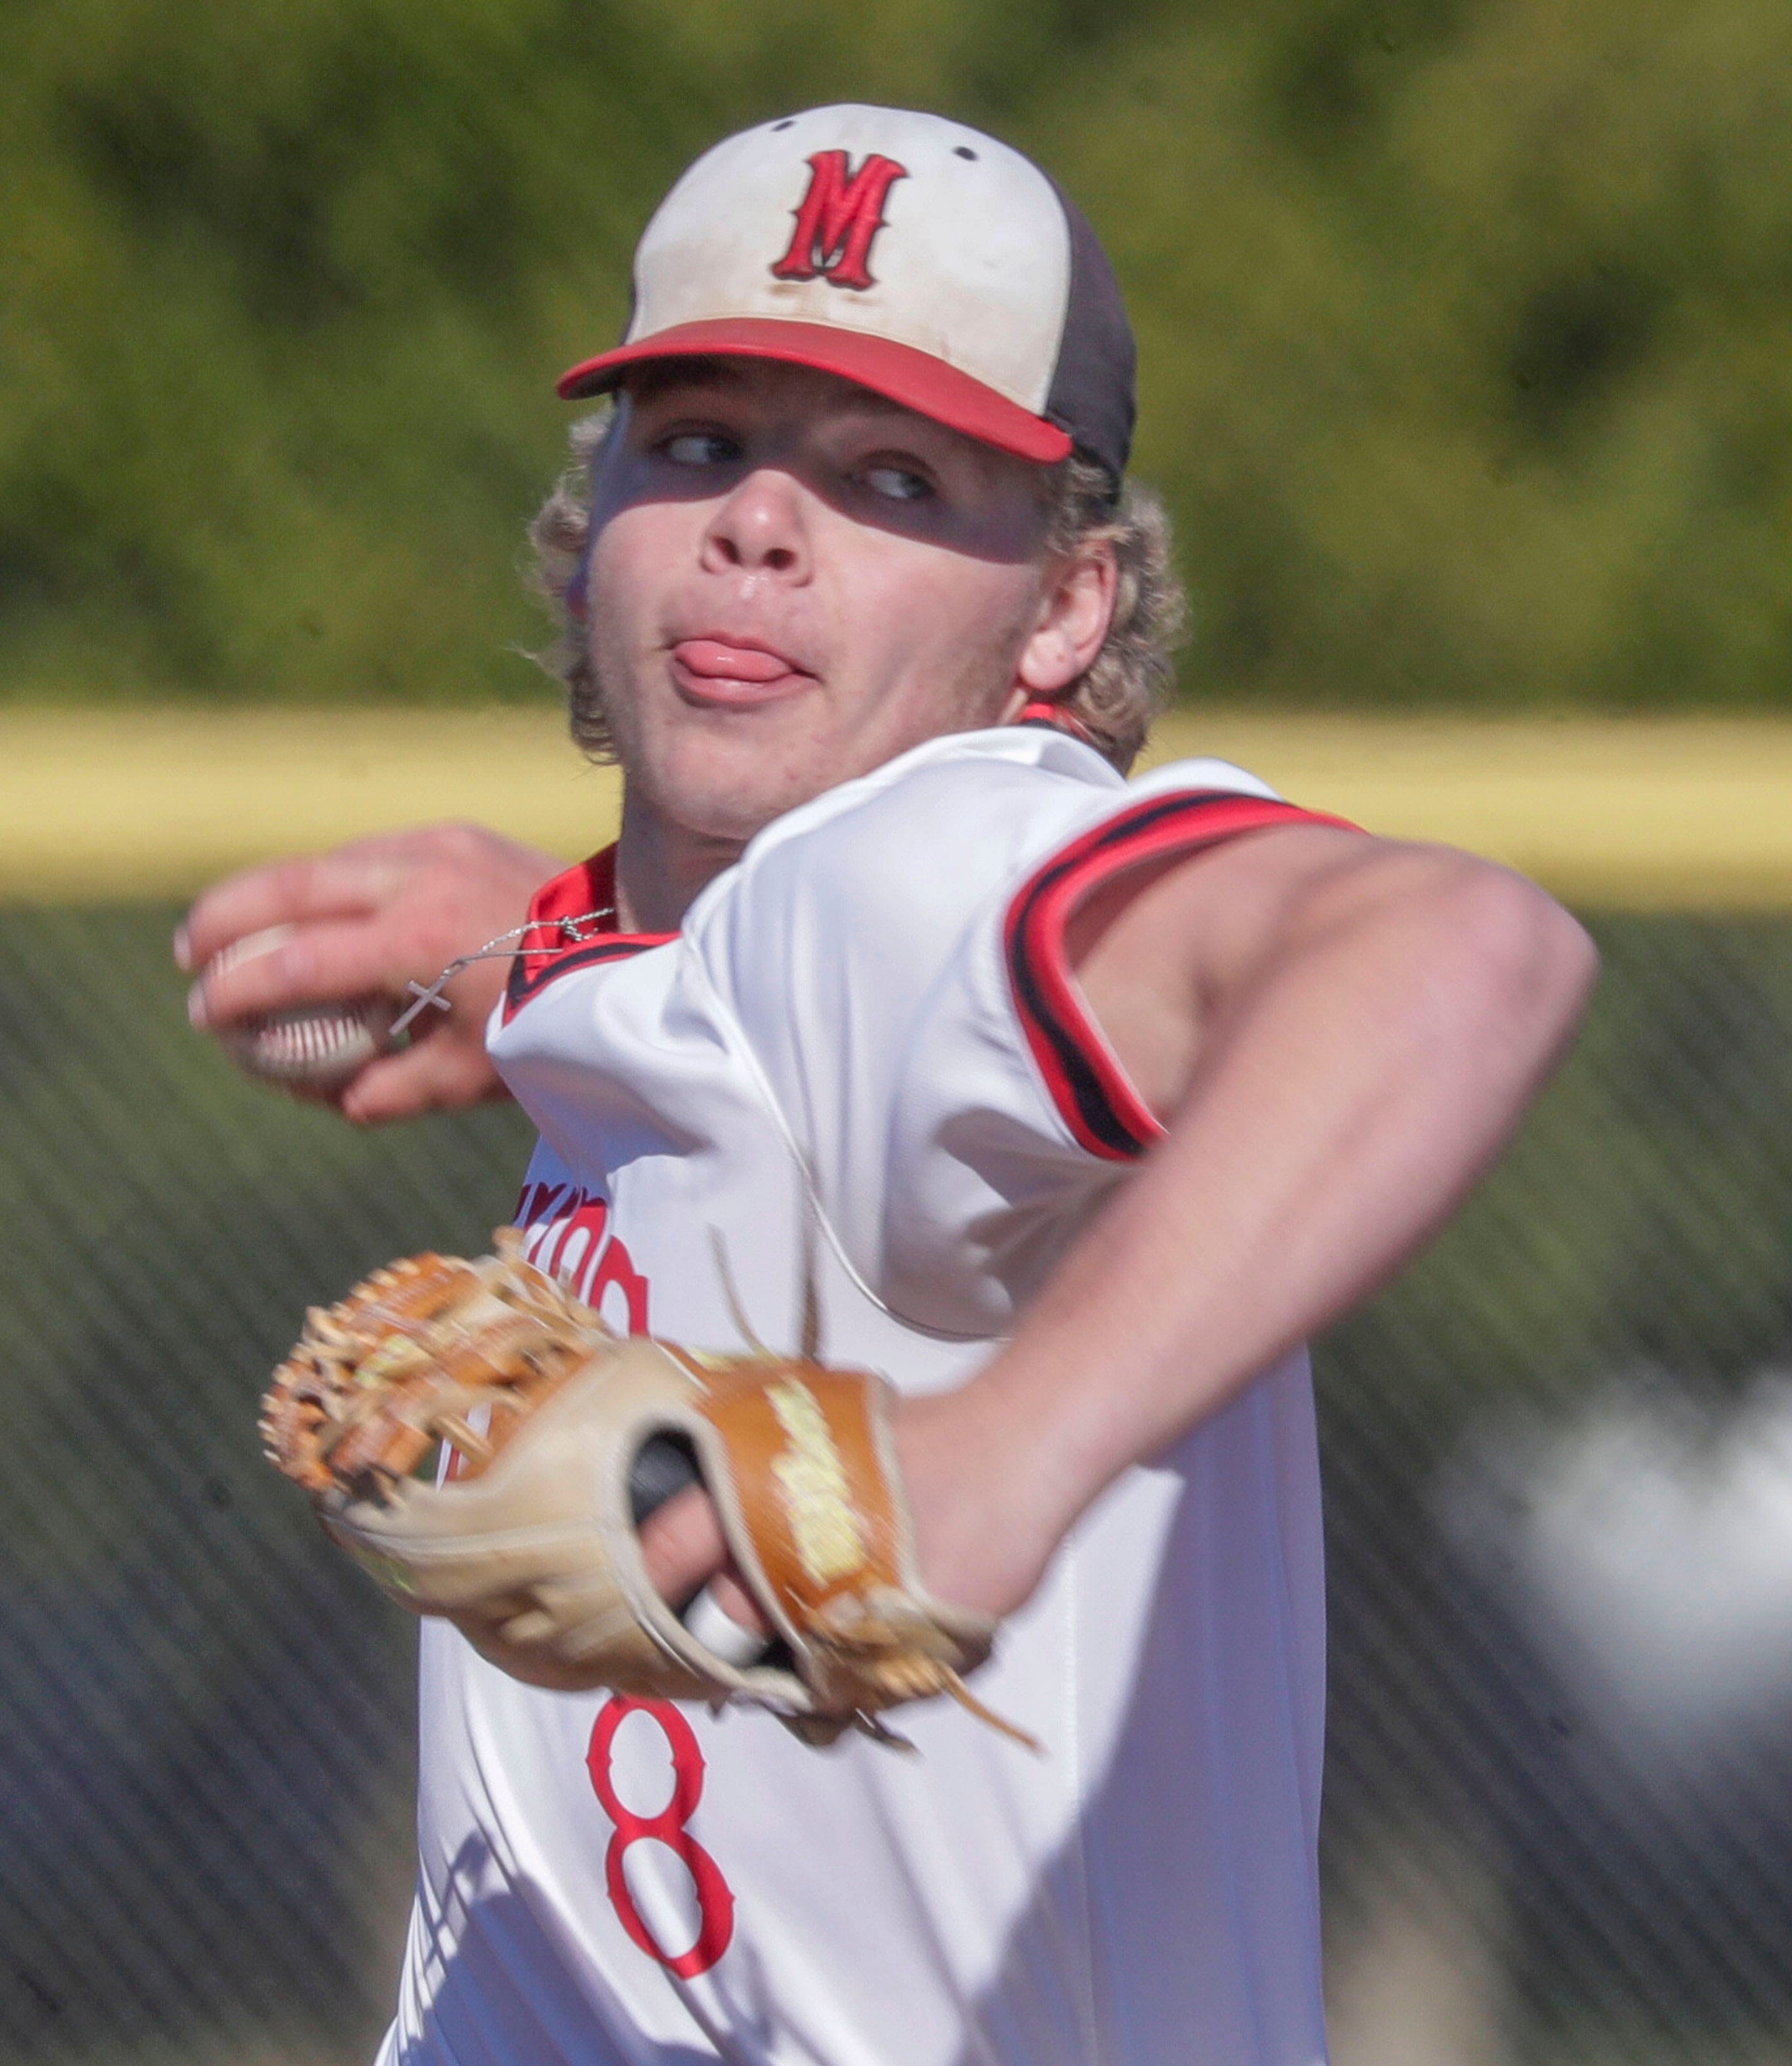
x: 505, y: 946
x: 573, y: 933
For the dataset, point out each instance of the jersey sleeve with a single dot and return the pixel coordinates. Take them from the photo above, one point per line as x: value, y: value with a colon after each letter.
x: 1098, y: 1108
x: 899, y: 973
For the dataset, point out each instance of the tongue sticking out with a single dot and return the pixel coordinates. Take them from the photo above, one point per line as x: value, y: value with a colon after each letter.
x: 739, y: 663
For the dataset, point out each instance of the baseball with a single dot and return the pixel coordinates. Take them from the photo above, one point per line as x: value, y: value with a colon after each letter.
x: 308, y: 1047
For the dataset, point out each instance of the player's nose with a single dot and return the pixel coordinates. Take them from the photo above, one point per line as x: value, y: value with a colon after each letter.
x: 760, y: 527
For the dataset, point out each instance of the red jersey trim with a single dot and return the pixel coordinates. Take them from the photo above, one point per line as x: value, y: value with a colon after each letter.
x: 1084, y: 1078
x: 1054, y: 717
x: 565, y: 935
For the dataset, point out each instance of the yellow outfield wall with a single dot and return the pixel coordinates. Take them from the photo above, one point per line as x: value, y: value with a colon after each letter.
x: 1643, y: 813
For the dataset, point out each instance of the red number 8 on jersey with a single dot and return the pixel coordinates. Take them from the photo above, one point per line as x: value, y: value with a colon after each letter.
x: 715, y: 1900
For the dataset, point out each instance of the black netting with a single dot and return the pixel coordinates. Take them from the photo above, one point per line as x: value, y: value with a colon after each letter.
x: 206, y: 1711
x: 1559, y: 1465
x: 1559, y: 1525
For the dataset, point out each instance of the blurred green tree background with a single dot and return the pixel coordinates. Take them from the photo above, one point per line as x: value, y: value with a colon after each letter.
x: 1464, y: 322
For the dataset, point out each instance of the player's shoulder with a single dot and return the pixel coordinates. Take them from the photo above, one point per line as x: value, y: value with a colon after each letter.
x: 948, y: 822
x: 966, y: 788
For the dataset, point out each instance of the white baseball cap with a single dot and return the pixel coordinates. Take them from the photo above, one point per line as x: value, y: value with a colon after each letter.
x: 923, y: 260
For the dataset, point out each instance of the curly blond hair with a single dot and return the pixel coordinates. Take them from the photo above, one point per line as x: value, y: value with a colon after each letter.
x: 1113, y: 702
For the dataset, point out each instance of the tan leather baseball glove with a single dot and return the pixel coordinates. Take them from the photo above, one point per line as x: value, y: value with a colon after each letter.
x: 487, y: 1447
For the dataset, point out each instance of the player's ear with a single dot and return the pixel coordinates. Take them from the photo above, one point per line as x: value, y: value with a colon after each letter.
x: 1074, y: 614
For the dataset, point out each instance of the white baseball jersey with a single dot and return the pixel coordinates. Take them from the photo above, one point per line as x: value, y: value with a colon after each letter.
x: 867, y: 1044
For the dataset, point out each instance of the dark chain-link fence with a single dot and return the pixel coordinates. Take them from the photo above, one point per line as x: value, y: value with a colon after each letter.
x: 1559, y: 1461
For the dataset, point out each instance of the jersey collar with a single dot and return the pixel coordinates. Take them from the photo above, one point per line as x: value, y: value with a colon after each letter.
x: 571, y: 924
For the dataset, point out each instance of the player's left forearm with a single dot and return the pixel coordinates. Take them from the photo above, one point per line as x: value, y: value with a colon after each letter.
x: 1342, y: 1106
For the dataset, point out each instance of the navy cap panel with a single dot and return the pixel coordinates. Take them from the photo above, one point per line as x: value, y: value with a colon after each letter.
x: 1092, y: 389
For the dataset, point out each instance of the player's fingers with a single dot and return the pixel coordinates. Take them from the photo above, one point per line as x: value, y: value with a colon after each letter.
x: 443, y: 1075
x: 284, y: 964
x: 357, y: 877
x: 683, y: 1545
x: 686, y: 1555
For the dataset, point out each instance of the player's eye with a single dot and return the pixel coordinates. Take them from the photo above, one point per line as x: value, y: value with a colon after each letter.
x: 898, y: 483
x: 698, y: 448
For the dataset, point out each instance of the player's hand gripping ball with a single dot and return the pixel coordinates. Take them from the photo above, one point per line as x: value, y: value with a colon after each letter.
x: 308, y: 1049
x: 562, y: 1437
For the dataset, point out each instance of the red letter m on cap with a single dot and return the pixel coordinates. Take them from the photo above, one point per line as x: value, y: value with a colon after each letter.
x: 838, y: 219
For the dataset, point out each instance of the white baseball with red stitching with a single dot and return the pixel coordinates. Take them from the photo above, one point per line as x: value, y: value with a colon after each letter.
x: 309, y: 1047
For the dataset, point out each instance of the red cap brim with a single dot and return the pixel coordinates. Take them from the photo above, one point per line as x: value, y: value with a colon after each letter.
x: 898, y: 372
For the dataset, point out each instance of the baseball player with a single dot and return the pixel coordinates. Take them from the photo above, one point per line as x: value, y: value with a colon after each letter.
x: 897, y: 1013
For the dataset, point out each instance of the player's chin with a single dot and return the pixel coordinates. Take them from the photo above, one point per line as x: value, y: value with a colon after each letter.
x: 731, y: 782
